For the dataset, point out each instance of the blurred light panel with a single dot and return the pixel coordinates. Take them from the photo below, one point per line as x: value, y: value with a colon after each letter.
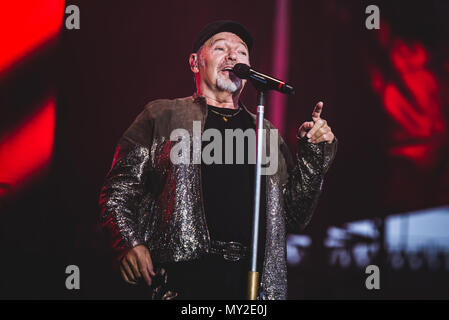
x: 24, y: 25
x: 416, y: 230
x: 28, y: 149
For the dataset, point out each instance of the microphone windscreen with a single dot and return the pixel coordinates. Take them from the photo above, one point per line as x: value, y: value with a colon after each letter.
x: 242, y: 70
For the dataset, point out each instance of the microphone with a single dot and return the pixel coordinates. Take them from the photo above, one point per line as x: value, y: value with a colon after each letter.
x: 262, y: 81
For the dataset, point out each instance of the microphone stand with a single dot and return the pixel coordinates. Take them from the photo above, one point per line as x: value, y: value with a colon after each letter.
x: 253, y: 274
x: 262, y: 83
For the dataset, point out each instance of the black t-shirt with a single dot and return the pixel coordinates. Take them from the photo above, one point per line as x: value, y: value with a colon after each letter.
x: 228, y: 189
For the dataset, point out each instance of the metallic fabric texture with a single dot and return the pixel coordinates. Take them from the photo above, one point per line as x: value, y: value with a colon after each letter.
x: 146, y: 199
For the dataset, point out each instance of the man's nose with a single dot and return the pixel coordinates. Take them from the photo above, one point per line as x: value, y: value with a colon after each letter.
x: 232, y: 56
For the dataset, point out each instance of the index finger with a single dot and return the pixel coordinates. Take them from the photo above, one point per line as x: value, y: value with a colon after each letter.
x: 316, y: 114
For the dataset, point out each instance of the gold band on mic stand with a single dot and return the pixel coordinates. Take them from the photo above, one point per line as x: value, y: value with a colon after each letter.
x: 253, y: 285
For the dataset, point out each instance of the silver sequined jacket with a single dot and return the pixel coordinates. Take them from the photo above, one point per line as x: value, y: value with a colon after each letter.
x: 146, y: 199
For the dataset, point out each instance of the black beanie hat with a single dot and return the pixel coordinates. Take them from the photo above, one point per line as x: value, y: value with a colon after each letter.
x: 223, y: 26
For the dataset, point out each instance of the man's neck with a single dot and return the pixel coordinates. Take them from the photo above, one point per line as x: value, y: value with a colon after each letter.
x: 221, y: 99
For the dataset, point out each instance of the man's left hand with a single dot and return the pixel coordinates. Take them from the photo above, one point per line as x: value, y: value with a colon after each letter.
x: 317, y: 130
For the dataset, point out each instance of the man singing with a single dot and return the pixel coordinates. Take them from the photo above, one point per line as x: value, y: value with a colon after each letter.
x: 184, y: 229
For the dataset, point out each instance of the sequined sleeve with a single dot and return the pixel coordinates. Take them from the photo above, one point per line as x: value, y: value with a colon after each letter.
x: 124, y: 188
x: 305, y: 181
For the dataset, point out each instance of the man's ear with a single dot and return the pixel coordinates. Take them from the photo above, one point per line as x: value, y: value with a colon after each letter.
x: 193, y: 62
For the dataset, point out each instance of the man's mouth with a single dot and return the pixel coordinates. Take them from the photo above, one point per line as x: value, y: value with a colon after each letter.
x: 228, y: 68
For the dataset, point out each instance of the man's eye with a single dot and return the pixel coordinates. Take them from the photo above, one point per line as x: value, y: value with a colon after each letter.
x: 218, y: 48
x: 243, y: 52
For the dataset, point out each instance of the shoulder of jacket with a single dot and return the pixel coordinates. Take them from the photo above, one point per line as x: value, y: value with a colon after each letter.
x: 268, y: 124
x: 155, y: 108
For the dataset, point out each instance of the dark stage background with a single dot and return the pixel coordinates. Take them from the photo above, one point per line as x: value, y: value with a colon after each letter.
x: 67, y: 99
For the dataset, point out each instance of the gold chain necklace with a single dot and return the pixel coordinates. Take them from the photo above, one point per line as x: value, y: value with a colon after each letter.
x: 226, y: 116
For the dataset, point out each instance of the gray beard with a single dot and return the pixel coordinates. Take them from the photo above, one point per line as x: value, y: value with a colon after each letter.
x: 229, y: 85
